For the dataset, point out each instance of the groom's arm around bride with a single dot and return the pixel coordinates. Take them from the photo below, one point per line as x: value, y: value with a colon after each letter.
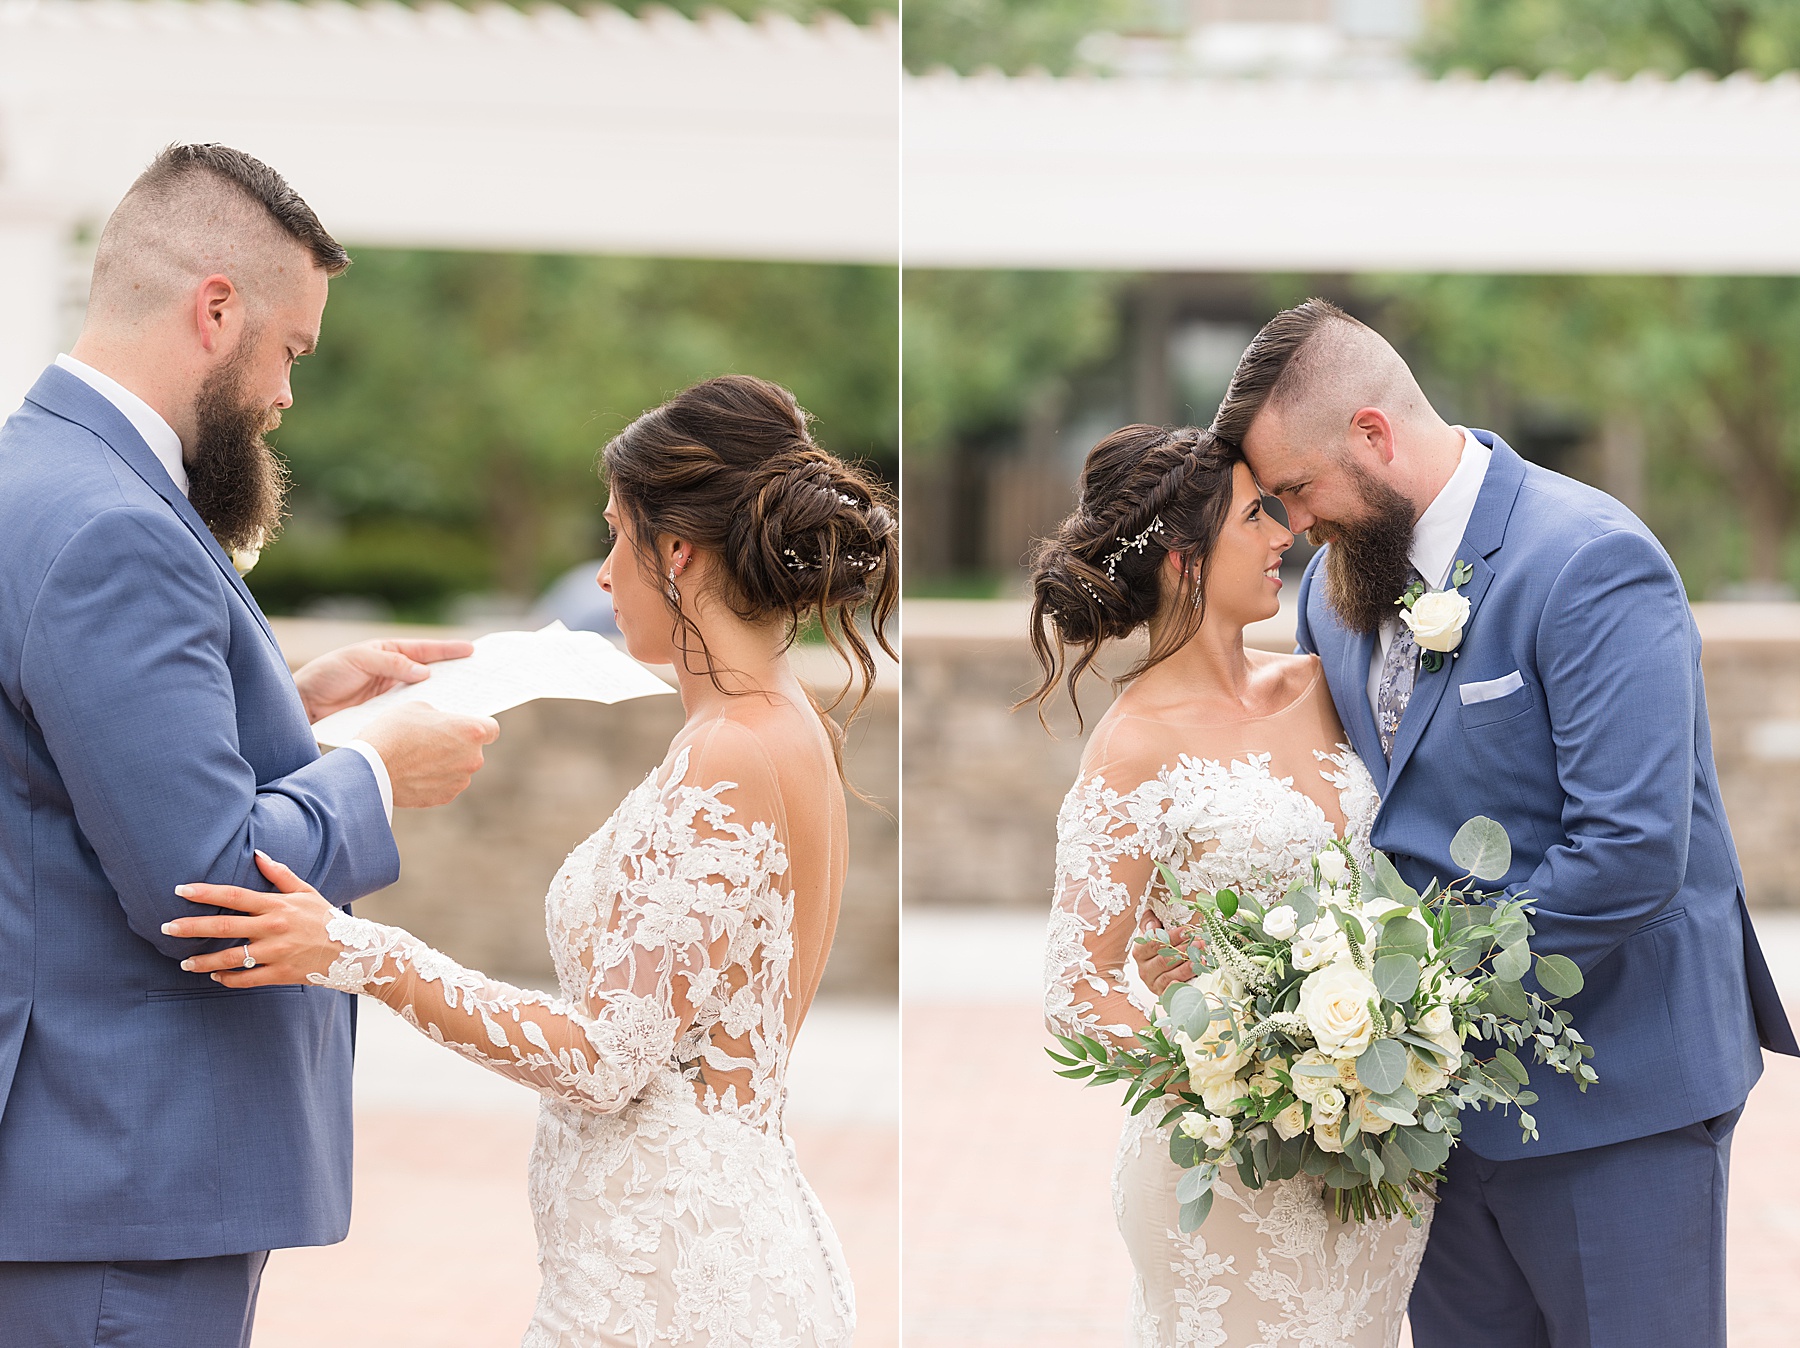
x: 150, y: 734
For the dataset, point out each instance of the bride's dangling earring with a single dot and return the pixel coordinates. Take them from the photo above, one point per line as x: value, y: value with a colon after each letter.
x: 670, y: 590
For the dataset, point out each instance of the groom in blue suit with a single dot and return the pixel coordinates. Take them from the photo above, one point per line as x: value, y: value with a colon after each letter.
x: 1567, y: 703
x: 158, y: 1133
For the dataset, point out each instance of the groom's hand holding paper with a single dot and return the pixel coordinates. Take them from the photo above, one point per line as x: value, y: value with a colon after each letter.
x: 504, y: 670
x: 351, y: 675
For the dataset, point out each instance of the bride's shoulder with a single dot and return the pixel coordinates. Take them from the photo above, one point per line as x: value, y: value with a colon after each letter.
x: 727, y: 753
x: 1127, y: 750
x: 1290, y: 675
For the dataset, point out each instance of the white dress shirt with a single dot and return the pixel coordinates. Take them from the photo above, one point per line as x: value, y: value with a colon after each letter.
x: 166, y: 445
x: 1436, y: 537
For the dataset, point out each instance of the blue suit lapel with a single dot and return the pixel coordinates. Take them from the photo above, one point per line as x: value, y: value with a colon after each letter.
x: 1483, y: 537
x: 61, y: 393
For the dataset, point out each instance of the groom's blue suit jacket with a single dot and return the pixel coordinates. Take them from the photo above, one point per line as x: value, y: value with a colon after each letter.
x: 1600, y: 766
x: 150, y: 734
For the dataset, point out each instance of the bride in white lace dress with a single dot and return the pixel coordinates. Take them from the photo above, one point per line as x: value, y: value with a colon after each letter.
x: 690, y: 932
x: 1220, y: 763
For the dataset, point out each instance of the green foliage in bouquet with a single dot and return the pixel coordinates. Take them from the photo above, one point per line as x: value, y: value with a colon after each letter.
x: 1325, y: 1029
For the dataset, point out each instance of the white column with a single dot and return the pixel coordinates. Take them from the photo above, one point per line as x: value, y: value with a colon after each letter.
x: 33, y: 266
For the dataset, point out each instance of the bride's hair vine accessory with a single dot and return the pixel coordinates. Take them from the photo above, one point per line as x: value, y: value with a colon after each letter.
x: 1137, y: 544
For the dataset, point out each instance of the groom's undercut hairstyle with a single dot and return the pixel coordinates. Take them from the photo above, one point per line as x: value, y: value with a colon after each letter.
x: 1315, y: 366
x: 200, y: 210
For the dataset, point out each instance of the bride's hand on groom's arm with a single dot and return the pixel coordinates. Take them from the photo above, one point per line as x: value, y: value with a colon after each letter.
x: 285, y: 932
x: 351, y: 675
x: 1156, y: 964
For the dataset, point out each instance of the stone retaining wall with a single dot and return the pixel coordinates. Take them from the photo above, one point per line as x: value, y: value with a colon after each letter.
x: 474, y: 872
x: 982, y: 784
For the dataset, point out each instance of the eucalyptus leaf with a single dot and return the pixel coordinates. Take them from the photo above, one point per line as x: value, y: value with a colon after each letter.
x: 1184, y: 1150
x: 1227, y: 901
x: 1482, y: 848
x: 1394, y: 1158
x: 1506, y: 998
x: 1401, y: 1097
x: 1304, y: 900
x: 1194, y: 1213
x: 1396, y: 977
x: 1352, y: 928
x: 1192, y: 1184
x: 1510, y: 927
x: 1382, y: 1066
x: 1389, y: 885
x: 1509, y: 1063
x: 1559, y: 975
x: 1426, y: 1148
x: 1512, y: 963
x: 1317, y: 1161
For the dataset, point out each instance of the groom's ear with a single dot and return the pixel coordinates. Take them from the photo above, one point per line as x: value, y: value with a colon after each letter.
x: 1370, y: 429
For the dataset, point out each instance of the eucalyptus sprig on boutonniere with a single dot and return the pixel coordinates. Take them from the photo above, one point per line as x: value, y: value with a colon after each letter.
x: 1437, y: 617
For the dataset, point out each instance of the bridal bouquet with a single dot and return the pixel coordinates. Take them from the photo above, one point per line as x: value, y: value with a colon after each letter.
x: 1338, y: 1029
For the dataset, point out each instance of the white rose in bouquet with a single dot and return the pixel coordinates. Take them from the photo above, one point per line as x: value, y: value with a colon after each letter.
x: 1322, y: 945
x: 1436, y: 619
x: 1435, y: 1022
x: 1211, y: 1133
x: 1221, y: 985
x: 1221, y: 1096
x: 1328, y: 1107
x: 1263, y: 1084
x: 1422, y: 1078
x: 1306, y: 1086
x: 1210, y: 1058
x: 1333, y: 869
x: 1366, y: 1118
x: 1280, y: 923
x: 1335, y: 1002
x: 1326, y: 1135
x: 1291, y: 1122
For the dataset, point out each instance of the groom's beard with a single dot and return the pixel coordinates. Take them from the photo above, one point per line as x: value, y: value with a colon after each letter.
x: 1370, y: 563
x: 236, y: 483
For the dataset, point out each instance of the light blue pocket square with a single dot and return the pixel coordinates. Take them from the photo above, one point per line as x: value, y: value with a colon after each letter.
x: 1471, y: 693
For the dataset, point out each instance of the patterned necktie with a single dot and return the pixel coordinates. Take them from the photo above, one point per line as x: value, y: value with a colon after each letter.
x: 1398, y: 674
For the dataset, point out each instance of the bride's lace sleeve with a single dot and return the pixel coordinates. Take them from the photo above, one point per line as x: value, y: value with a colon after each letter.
x: 677, y: 925
x: 1108, y: 842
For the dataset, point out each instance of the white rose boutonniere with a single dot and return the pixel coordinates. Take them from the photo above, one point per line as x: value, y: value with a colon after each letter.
x: 1437, y: 618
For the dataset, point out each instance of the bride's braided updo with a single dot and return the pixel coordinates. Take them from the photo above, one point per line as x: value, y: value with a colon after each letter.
x: 730, y: 465
x: 1145, y: 491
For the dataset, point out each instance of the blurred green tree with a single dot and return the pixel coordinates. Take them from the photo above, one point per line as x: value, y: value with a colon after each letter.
x: 981, y: 346
x: 1012, y: 35
x: 1624, y: 37
x: 444, y: 439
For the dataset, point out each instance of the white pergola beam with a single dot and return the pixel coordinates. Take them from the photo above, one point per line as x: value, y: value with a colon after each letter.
x: 1507, y: 175
x: 450, y: 128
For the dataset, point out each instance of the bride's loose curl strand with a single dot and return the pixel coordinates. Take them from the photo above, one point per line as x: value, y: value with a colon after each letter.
x: 1145, y: 492
x: 730, y: 465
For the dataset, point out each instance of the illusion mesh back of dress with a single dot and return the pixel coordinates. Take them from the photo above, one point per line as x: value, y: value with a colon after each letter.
x: 1220, y: 806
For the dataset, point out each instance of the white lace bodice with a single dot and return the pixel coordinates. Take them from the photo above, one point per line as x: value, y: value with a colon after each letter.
x: 1270, y: 1267
x: 668, y: 1203
x: 1214, y: 824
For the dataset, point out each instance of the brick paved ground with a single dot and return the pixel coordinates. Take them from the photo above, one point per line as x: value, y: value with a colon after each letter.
x: 1009, y: 1236
x: 441, y: 1250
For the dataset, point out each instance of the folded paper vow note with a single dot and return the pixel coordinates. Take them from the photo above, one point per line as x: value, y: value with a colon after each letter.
x: 509, y: 668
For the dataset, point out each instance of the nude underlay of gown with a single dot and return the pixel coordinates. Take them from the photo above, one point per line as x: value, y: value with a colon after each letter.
x: 1218, y: 804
